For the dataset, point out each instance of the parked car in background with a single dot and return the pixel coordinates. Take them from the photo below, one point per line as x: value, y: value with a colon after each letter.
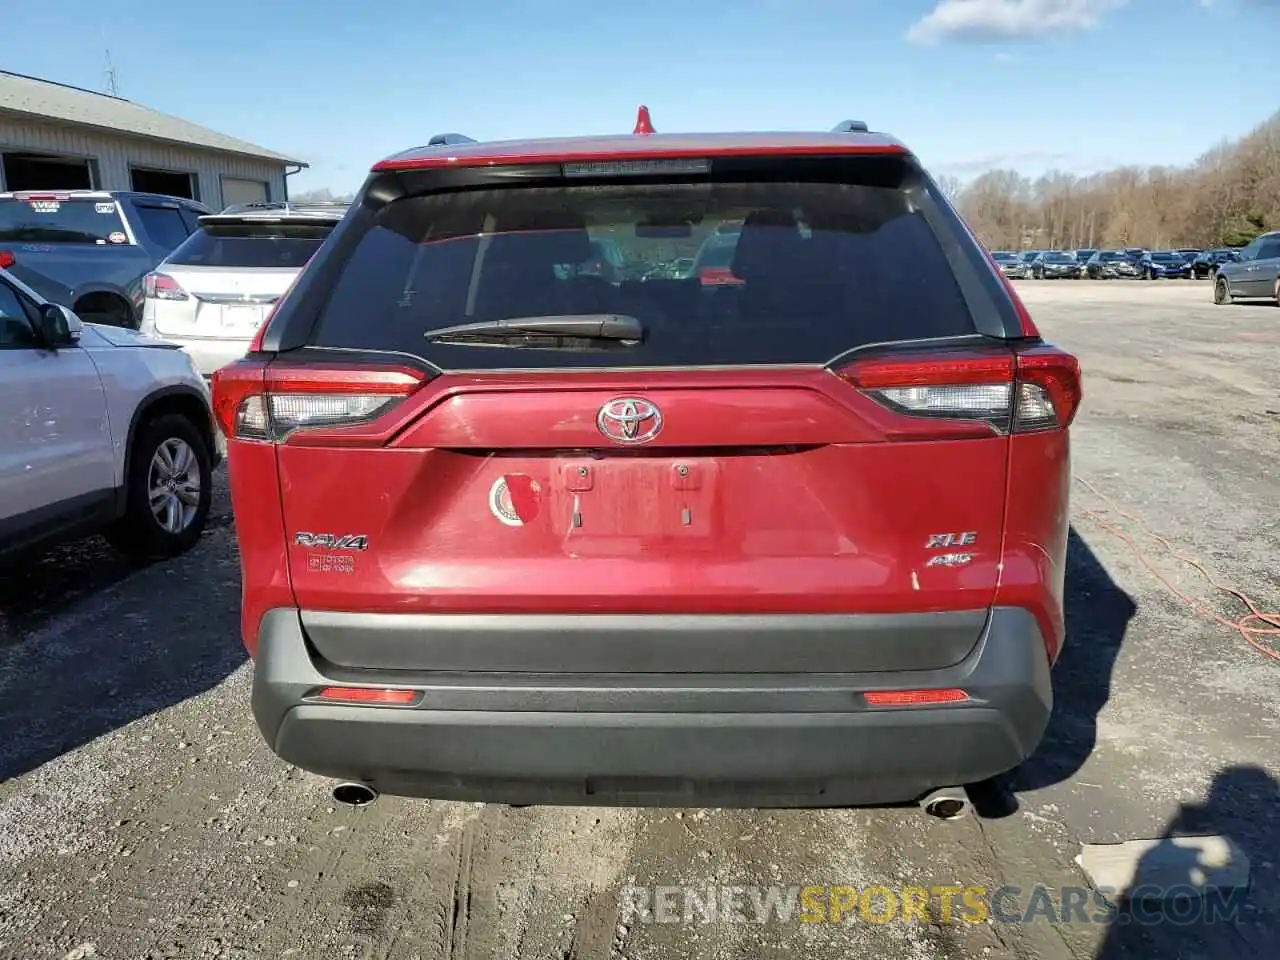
x: 1029, y: 256
x: 1112, y: 265
x: 212, y: 293
x: 1253, y: 275
x: 667, y: 543
x: 101, y: 430
x: 1083, y: 255
x: 1055, y: 265
x: 1164, y: 265
x: 1207, y: 263
x: 1010, y: 264
x: 1189, y: 253
x: 89, y: 249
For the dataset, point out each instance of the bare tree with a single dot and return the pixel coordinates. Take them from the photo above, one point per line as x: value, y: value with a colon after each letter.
x: 1226, y: 197
x: 321, y: 195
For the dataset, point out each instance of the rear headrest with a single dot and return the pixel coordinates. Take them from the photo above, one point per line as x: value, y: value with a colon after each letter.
x: 769, y: 239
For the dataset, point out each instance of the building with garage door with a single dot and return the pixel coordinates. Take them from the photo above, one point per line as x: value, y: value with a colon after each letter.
x: 57, y: 137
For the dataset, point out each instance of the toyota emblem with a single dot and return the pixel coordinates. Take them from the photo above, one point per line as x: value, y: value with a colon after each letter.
x: 629, y: 420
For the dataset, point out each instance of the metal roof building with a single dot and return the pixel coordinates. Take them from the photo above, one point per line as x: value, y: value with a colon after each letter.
x: 54, y: 136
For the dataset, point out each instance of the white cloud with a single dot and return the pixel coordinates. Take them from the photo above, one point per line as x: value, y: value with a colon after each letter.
x: 1005, y: 57
x: 1036, y: 159
x: 1007, y: 19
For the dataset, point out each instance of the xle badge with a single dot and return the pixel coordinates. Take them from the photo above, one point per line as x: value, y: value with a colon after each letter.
x: 513, y: 499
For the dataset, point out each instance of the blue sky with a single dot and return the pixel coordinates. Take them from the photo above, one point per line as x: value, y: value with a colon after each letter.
x: 967, y: 84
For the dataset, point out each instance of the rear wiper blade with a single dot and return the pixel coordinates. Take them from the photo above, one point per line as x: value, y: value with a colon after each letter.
x: 587, y: 326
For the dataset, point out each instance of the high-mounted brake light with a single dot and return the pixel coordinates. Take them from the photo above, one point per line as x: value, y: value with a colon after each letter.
x: 257, y: 402
x: 7, y: 259
x: 161, y: 286
x: 643, y: 124
x: 635, y: 168
x: 1021, y: 392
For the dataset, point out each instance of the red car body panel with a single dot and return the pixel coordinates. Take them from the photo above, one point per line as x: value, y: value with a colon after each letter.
x: 792, y: 482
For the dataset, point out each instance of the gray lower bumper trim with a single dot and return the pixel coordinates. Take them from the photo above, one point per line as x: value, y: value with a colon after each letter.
x: 723, y: 739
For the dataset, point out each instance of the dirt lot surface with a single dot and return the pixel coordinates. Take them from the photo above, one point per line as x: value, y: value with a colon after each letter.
x: 142, y: 817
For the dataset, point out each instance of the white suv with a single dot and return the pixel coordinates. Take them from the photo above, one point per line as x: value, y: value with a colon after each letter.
x: 213, y: 292
x: 101, y: 429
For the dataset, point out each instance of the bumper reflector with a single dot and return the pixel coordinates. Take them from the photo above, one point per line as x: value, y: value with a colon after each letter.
x: 374, y: 695
x: 913, y: 698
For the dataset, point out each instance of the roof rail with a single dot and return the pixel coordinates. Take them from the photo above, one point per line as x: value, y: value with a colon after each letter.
x: 850, y: 126
x: 449, y: 140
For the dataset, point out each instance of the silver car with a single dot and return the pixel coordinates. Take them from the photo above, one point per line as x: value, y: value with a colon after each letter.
x: 212, y: 293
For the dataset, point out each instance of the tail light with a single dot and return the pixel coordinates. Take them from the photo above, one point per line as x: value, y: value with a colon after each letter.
x: 7, y: 259
x: 161, y: 286
x: 269, y: 403
x: 1021, y: 392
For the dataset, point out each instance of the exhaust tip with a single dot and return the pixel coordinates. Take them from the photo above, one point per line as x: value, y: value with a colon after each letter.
x: 354, y: 794
x: 948, y: 803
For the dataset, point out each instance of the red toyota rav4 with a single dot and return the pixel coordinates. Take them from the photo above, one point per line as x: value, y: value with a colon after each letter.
x: 514, y: 532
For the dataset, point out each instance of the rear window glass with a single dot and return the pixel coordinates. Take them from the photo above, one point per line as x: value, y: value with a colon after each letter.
x: 816, y: 269
x: 251, y: 245
x: 164, y: 225
x: 61, y: 221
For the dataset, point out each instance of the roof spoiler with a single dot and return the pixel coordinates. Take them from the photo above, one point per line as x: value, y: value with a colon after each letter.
x: 285, y: 207
x: 850, y: 126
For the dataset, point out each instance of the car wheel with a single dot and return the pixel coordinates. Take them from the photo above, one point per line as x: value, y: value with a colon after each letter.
x: 168, y: 491
x: 1221, y: 292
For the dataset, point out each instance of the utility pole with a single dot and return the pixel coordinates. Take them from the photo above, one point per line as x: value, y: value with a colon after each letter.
x: 112, y: 87
x: 111, y: 79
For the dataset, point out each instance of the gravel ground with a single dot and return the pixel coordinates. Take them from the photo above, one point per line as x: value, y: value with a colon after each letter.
x: 141, y: 816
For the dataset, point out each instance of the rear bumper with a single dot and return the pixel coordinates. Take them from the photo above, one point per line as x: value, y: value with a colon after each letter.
x: 722, y: 739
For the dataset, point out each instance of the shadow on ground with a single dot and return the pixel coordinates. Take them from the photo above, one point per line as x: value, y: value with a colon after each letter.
x: 39, y: 585
x: 1165, y: 914
x: 1098, y: 613
x: 92, y: 670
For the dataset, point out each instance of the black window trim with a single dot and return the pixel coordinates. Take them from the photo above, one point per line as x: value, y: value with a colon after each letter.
x: 981, y: 287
